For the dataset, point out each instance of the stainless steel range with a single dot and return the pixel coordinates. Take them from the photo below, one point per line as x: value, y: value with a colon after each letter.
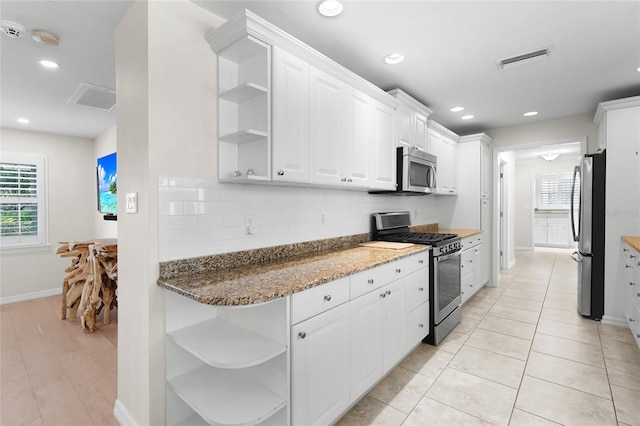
x: 444, y: 269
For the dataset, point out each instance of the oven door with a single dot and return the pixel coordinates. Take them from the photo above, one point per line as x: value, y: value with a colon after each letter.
x: 418, y: 175
x: 446, y: 285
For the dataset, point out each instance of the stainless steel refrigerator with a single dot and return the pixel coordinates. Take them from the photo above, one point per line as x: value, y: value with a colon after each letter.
x: 588, y: 226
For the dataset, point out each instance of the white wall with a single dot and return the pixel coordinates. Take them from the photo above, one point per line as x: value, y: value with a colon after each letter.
x: 105, y: 144
x: 525, y: 172
x: 71, y: 205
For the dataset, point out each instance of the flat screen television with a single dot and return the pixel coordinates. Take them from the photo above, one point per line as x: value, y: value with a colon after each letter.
x: 107, y: 177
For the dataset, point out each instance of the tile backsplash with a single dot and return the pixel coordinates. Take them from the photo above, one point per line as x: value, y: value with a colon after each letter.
x: 201, y: 217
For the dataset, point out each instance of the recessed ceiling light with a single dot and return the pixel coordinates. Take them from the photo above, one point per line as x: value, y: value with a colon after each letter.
x: 393, y: 58
x: 457, y: 109
x: 48, y: 64
x: 23, y: 120
x: 467, y: 117
x: 530, y: 113
x: 330, y: 8
x: 638, y: 69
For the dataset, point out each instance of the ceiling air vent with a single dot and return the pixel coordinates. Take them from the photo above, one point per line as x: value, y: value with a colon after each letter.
x: 525, y: 58
x: 94, y: 96
x: 12, y: 29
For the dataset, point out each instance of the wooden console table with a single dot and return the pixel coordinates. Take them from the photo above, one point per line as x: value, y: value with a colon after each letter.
x: 91, y: 281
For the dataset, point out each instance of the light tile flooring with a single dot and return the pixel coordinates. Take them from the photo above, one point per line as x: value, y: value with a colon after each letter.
x: 521, y: 356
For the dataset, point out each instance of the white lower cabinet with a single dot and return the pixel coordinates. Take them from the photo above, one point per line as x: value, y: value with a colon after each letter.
x: 474, y: 270
x: 631, y: 260
x: 320, y: 367
x: 298, y: 360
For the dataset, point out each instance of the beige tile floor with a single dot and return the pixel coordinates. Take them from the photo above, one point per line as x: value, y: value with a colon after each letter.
x: 520, y: 356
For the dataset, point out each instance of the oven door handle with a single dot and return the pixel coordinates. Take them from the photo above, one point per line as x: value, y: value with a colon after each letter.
x: 448, y: 255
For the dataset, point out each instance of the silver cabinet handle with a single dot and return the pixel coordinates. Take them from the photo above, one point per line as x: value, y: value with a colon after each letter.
x: 302, y: 335
x: 280, y: 172
x: 632, y: 256
x: 370, y: 281
x: 349, y: 180
x: 343, y: 180
x: 383, y: 295
x: 631, y: 320
x: 421, y: 261
x: 625, y: 250
x: 398, y: 270
x: 632, y: 283
x: 627, y: 266
x: 327, y: 298
x: 389, y: 293
x: 421, y: 325
x: 420, y: 288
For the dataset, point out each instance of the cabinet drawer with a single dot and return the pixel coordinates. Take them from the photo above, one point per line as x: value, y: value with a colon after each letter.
x: 371, y: 279
x: 466, y: 262
x: 417, y: 289
x: 311, y: 302
x: 467, y: 286
x: 631, y: 254
x: 468, y: 242
x: 417, y: 261
x: 632, y: 312
x: 417, y: 325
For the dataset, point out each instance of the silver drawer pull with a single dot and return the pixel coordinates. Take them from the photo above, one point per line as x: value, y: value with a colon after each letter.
x: 632, y: 256
x: 398, y: 270
x: 280, y: 172
x: 383, y: 295
x: 370, y: 281
x: 627, y: 266
x: 625, y: 250
x: 632, y: 283
x: 389, y: 293
x: 302, y: 335
x: 631, y: 320
x: 327, y: 298
x: 343, y: 180
x: 420, y: 288
x: 421, y: 261
x: 421, y: 325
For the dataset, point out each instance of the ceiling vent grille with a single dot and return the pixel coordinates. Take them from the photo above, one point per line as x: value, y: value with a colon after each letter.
x: 94, y: 96
x: 525, y: 58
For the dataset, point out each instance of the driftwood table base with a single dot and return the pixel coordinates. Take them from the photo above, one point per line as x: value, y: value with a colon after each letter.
x: 91, y: 282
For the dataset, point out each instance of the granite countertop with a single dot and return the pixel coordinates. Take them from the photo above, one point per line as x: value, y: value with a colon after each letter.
x: 259, y: 282
x: 463, y: 233
x: 632, y: 241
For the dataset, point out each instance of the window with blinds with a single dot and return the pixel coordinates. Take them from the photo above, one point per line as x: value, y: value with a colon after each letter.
x: 22, y: 201
x: 553, y: 190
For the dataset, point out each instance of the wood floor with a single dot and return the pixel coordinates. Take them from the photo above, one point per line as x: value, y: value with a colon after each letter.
x: 52, y: 373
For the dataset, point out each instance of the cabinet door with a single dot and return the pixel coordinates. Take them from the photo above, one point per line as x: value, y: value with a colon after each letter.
x: 320, y: 367
x: 420, y: 134
x: 485, y: 171
x: 540, y: 231
x: 393, y: 324
x: 558, y: 232
x: 357, y: 161
x: 404, y: 121
x: 384, y: 163
x: 327, y: 128
x: 290, y: 139
x: 366, y: 342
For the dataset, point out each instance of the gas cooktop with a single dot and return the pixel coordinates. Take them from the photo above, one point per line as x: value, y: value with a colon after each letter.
x: 417, y: 237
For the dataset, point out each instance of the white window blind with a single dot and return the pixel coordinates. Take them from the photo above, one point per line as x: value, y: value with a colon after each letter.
x: 553, y: 190
x: 22, y: 201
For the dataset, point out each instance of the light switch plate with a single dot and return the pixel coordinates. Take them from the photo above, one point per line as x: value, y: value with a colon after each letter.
x: 132, y: 202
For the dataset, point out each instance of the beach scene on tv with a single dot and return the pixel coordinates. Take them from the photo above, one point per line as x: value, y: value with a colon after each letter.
x: 107, y: 184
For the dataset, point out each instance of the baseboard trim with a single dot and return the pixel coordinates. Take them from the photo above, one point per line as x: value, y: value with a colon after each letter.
x: 30, y: 296
x: 615, y: 321
x: 123, y: 416
x: 518, y: 248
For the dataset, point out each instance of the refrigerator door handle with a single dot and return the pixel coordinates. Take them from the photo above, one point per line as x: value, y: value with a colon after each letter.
x: 576, y: 256
x: 576, y: 172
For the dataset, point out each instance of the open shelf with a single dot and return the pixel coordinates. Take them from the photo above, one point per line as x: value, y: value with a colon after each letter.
x: 225, y: 397
x: 192, y: 420
x: 224, y: 345
x: 243, y: 93
x: 244, y: 136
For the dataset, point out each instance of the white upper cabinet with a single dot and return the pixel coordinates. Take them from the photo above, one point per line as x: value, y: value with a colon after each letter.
x: 411, y: 121
x: 289, y: 114
x: 290, y: 117
x: 384, y: 162
x: 444, y: 145
x: 328, y: 127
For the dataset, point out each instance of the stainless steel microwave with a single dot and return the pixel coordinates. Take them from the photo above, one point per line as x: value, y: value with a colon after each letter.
x: 415, y: 171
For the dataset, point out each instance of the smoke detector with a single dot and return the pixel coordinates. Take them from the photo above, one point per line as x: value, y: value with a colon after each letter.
x: 12, y: 29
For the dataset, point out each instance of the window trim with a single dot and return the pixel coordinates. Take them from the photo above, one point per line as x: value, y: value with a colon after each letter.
x: 41, y: 241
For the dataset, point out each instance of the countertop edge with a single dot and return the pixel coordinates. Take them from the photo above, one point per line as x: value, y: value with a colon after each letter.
x: 173, y: 284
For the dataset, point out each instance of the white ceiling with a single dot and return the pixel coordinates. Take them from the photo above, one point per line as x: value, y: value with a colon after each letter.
x: 451, y: 49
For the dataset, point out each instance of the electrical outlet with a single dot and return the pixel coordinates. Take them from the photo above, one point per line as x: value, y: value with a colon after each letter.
x: 250, y: 224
